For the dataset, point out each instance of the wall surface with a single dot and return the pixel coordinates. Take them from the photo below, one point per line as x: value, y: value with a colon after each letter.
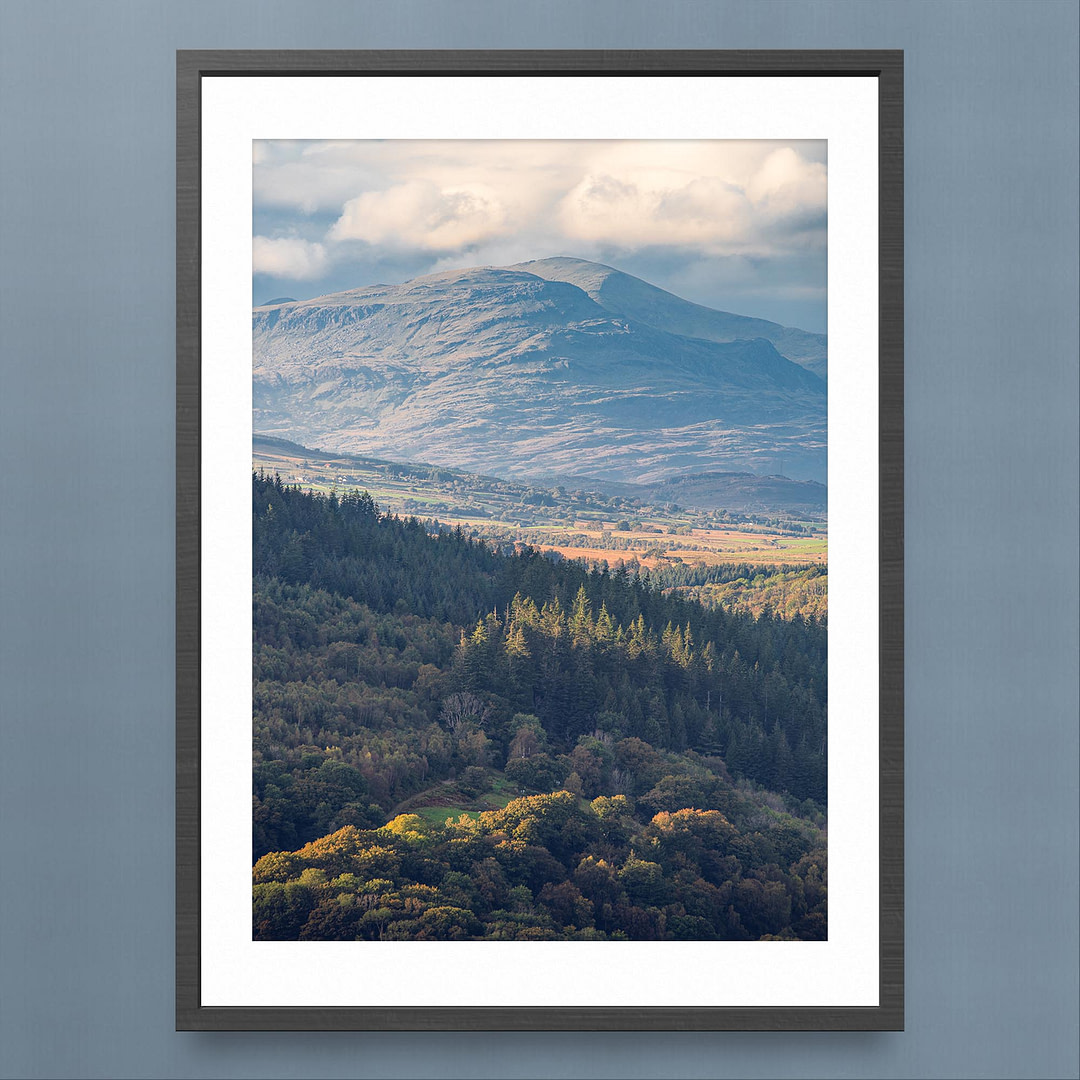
x: 86, y: 536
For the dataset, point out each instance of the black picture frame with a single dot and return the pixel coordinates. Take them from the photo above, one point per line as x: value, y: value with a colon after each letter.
x: 887, y: 67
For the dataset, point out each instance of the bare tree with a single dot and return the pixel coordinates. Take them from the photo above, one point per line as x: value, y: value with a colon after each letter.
x: 463, y: 708
x: 622, y: 782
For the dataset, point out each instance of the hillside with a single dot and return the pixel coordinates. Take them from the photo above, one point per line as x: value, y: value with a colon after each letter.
x: 614, y: 763
x: 738, y: 493
x: 623, y: 294
x: 506, y: 372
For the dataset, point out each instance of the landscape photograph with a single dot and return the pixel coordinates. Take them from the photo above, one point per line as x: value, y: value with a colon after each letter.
x: 540, y: 541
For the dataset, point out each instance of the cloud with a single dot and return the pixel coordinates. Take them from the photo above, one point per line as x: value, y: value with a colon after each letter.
x: 347, y: 213
x: 786, y: 187
x: 311, y: 177
x: 716, y: 197
x: 718, y: 213
x: 288, y: 257
x: 421, y: 215
x: 625, y: 213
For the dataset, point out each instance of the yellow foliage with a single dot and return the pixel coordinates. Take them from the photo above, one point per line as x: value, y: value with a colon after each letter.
x: 275, y: 866
x: 377, y: 861
x: 313, y: 876
x: 611, y: 806
x: 698, y: 821
x: 411, y: 828
x: 345, y: 841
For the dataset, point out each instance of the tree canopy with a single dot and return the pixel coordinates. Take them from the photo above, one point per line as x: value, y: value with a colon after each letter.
x: 623, y: 761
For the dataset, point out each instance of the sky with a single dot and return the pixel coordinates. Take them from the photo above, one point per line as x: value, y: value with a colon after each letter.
x: 739, y: 226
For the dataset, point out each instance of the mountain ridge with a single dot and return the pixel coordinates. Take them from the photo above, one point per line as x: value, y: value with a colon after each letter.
x: 622, y: 293
x: 502, y: 370
x: 738, y: 491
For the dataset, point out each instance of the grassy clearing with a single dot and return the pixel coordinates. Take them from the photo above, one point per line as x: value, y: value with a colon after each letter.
x: 437, y: 815
x: 440, y: 801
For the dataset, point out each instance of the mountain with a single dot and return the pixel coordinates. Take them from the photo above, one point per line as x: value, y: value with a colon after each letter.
x: 741, y: 492
x: 622, y: 294
x: 515, y: 373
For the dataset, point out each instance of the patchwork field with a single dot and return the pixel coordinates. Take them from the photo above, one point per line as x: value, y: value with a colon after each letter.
x: 595, y: 525
x: 707, y: 547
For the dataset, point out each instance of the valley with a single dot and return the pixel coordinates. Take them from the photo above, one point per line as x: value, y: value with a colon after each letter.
x: 539, y: 614
x: 770, y: 521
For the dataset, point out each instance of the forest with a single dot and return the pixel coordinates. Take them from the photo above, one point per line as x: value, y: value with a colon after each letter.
x: 784, y: 590
x: 459, y: 740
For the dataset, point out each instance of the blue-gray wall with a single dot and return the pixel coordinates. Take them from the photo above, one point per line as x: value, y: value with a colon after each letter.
x: 86, y: 536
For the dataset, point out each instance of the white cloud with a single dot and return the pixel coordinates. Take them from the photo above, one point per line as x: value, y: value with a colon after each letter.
x: 722, y: 197
x: 349, y: 212
x: 288, y: 257
x: 674, y: 200
x: 421, y: 215
x: 786, y: 186
x: 627, y: 213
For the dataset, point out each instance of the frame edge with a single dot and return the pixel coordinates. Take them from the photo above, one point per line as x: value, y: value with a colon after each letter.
x: 887, y: 66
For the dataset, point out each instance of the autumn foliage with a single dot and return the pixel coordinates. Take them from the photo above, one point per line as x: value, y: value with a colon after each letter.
x: 452, y: 742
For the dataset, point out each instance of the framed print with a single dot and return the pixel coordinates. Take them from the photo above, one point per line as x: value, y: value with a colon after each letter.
x: 539, y: 540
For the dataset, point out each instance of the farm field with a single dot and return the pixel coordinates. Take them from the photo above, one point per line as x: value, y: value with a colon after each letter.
x: 576, y: 523
x: 707, y: 547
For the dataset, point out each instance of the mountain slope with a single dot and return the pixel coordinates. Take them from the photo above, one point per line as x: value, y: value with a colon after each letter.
x: 503, y: 371
x: 623, y: 294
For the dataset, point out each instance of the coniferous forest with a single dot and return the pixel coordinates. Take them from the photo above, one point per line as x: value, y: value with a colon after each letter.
x: 453, y: 741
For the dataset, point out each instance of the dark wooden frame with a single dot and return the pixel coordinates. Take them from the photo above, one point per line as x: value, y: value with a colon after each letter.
x: 887, y: 66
